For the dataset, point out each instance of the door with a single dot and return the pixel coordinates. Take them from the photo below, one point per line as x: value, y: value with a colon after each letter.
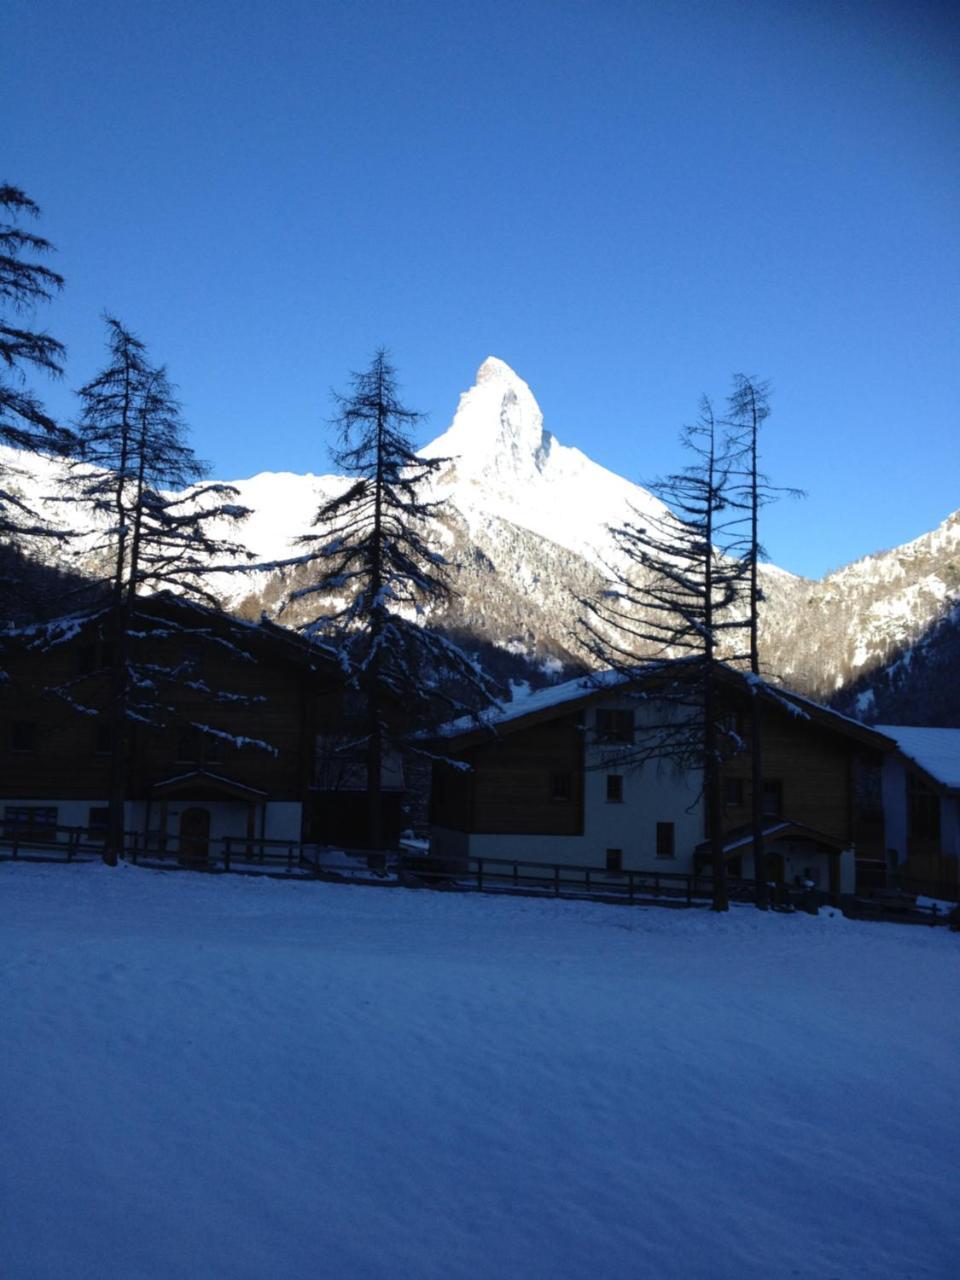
x: 194, y: 835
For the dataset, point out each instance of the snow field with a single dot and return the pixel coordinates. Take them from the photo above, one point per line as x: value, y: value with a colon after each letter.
x: 231, y: 1077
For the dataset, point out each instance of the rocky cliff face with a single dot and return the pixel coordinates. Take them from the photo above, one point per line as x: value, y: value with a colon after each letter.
x: 527, y: 529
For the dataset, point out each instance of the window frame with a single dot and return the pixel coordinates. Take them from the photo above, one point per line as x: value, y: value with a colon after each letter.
x: 772, y: 785
x: 615, y: 726
x: 666, y: 835
x: 617, y: 780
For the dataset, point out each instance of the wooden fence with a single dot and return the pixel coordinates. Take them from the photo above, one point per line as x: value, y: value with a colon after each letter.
x: 292, y: 858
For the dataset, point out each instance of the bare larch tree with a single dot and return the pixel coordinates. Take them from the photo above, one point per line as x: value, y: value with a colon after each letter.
x: 661, y: 620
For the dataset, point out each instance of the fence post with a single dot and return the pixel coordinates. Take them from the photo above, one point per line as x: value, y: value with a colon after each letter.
x: 479, y: 875
x: 586, y: 879
x: 516, y: 880
x: 556, y: 881
x: 630, y: 884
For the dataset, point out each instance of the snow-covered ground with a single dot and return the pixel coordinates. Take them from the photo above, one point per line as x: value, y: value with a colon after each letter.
x: 223, y: 1077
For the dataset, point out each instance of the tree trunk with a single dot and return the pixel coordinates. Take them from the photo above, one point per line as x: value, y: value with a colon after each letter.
x: 756, y: 743
x: 756, y: 804
x: 712, y: 796
x: 117, y: 794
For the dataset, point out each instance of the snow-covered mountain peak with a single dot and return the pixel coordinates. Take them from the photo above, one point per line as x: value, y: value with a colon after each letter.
x: 497, y: 430
x: 505, y: 465
x: 493, y: 367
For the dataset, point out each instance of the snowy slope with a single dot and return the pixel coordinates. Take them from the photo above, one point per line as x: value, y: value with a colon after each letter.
x: 232, y: 1079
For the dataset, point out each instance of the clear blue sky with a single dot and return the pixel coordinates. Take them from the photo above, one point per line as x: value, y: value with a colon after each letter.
x: 626, y: 200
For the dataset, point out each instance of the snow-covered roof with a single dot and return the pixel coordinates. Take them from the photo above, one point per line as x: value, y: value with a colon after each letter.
x: 541, y: 700
x: 937, y: 751
x: 584, y: 686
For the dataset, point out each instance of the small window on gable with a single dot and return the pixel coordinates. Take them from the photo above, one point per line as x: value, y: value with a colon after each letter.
x: 23, y: 736
x: 196, y: 747
x: 733, y: 724
x: 665, y: 840
x: 191, y: 657
x: 614, y: 859
x: 773, y: 797
x: 614, y: 725
x: 97, y: 655
x: 614, y: 788
x: 561, y: 786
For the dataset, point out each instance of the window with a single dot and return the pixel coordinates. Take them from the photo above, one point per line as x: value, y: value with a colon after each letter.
x: 103, y: 740
x: 23, y: 735
x: 191, y: 655
x: 923, y: 809
x: 732, y: 724
x: 614, y: 726
x: 95, y: 656
x: 196, y: 747
x: 561, y: 786
x: 614, y: 859
x: 665, y: 840
x: 772, y: 797
x: 30, y: 822
x: 732, y: 793
x: 614, y: 788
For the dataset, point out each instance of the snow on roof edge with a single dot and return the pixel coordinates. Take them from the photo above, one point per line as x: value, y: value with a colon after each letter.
x: 935, y: 750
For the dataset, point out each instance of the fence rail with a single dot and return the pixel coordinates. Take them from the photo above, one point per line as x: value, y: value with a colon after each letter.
x: 293, y: 858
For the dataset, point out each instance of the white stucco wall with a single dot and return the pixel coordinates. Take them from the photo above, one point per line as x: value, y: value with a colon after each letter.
x: 652, y: 793
x: 70, y: 813
x: 895, y: 812
x: 797, y: 859
x: 229, y: 818
x: 894, y: 791
x: 282, y: 819
x: 950, y: 825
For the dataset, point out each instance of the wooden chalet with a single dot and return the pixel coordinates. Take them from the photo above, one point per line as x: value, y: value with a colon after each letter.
x: 551, y: 779
x: 235, y: 753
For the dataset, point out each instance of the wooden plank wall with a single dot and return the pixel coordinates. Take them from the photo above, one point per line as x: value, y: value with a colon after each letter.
x: 511, y: 786
x: 65, y: 764
x: 814, y: 767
